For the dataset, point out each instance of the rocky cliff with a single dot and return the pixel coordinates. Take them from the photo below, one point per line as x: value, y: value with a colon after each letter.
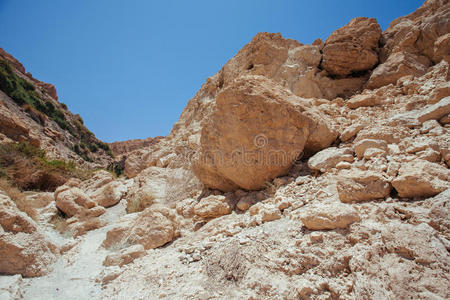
x: 123, y: 147
x: 296, y: 172
x: 30, y: 112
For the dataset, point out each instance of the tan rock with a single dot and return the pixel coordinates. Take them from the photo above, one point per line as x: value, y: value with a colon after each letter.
x: 13, y: 127
x: 134, y: 164
x: 343, y: 165
x: 440, y: 91
x: 442, y: 48
x: 124, y: 256
x: 352, y: 48
x: 389, y: 134
x: 185, y: 207
x: 256, y: 132
x: 328, y: 216
x: 124, y: 147
x: 98, y: 180
x: 109, y: 194
x: 166, y: 186
x: 355, y: 186
x: 361, y: 146
x: 212, y: 207
x: 23, y: 248
x: 411, y: 42
x: 109, y: 274
x: 350, y: 132
x: 419, y: 31
x: 445, y: 120
x: 435, y: 111
x: 439, y: 211
x: 245, y: 202
x: 264, y: 212
x: 398, y: 65
x: 72, y: 201
x: 430, y: 155
x: 269, y: 214
x: 373, y: 153
x: 327, y: 159
x: 445, y: 153
x: 420, y: 178
x: 363, y: 101
x: 321, y: 135
x: 151, y: 228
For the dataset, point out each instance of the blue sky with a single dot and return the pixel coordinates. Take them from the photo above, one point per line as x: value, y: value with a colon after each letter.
x: 129, y: 67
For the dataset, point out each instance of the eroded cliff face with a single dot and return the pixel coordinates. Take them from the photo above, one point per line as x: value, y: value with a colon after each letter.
x: 296, y: 172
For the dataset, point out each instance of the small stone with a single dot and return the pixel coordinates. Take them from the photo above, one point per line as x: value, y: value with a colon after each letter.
x: 316, y: 237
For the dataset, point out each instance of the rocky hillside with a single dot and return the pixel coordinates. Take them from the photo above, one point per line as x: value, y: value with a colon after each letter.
x: 123, y: 147
x: 42, y: 143
x: 30, y: 112
x: 296, y: 172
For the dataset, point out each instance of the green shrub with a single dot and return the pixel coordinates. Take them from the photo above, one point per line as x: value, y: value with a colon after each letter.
x: 93, y: 148
x: 117, y: 167
x: 23, y: 92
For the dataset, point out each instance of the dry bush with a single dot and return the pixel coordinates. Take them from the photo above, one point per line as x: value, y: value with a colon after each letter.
x: 27, y: 167
x: 46, y: 181
x: 59, y: 223
x: 35, y: 114
x: 19, y: 198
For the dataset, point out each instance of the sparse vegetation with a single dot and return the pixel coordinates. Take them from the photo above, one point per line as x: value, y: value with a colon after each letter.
x: 118, y: 168
x: 59, y: 222
x: 27, y: 168
x: 35, y: 114
x: 25, y: 94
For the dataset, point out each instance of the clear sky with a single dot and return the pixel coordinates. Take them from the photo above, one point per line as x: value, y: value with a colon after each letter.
x: 129, y: 67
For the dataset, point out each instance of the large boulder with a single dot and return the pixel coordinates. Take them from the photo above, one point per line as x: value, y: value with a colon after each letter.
x: 73, y: 201
x: 23, y: 248
x: 110, y: 194
x: 81, y: 210
x: 352, y: 48
x: 151, y: 228
x: 99, y: 179
x: 421, y: 178
x: 254, y: 133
